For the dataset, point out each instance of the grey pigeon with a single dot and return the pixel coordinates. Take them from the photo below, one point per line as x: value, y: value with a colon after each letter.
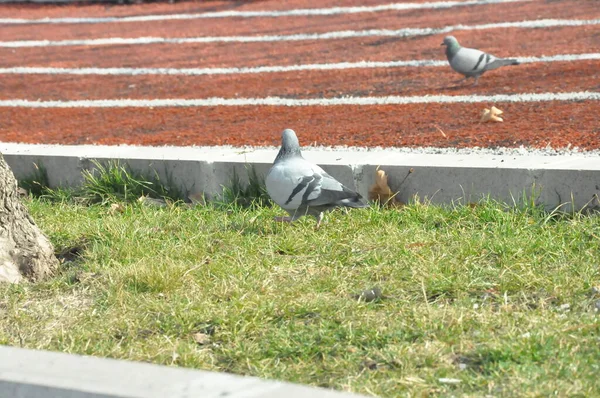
x: 302, y: 188
x: 471, y: 62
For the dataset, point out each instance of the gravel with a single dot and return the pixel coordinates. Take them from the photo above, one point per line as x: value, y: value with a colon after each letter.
x: 520, y: 151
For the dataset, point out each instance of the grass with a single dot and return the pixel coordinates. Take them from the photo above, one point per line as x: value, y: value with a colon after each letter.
x: 37, y: 183
x: 108, y: 182
x: 246, y: 195
x: 497, y: 299
x: 115, y: 181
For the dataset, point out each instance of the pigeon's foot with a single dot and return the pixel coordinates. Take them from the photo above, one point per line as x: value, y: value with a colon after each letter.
x: 455, y: 83
x: 283, y: 219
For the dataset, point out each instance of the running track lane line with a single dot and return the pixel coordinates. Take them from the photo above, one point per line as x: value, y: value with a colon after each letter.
x: 255, y: 14
x: 406, y: 32
x: 22, y: 70
x: 276, y: 101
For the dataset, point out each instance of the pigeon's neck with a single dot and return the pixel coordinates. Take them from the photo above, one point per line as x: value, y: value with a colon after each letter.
x: 288, y: 153
x: 451, y: 50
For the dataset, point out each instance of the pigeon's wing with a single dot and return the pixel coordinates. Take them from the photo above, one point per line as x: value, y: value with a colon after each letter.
x: 470, y: 61
x: 290, y: 182
x: 298, y: 183
x: 329, y: 191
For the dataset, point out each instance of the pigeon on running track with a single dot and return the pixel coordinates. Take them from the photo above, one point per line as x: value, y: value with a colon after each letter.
x: 471, y: 62
x: 302, y: 188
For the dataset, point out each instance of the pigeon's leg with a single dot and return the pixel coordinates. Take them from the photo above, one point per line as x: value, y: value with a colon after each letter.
x: 476, y: 80
x: 319, y: 219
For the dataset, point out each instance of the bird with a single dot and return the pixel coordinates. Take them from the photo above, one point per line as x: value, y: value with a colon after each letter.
x: 471, y: 62
x: 302, y: 188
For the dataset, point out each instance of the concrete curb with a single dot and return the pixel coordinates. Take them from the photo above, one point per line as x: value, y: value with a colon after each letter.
x: 569, y: 181
x: 42, y: 374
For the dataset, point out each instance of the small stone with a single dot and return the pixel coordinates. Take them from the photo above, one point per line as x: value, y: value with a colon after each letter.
x: 369, y: 364
x: 201, y: 338
x: 369, y: 295
x: 148, y: 201
x: 22, y: 192
x: 565, y: 307
x: 526, y: 335
x: 595, y: 291
x: 597, y: 305
x: 462, y: 366
x: 475, y: 306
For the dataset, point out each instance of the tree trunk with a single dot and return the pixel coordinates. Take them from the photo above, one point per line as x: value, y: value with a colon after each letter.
x: 24, y: 250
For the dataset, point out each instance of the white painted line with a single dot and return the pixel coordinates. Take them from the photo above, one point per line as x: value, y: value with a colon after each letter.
x: 22, y: 70
x: 254, y: 14
x: 559, y: 58
x: 406, y: 32
x: 277, y: 101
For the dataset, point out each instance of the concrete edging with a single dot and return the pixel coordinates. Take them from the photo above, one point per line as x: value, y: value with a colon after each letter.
x: 28, y: 373
x: 563, y: 180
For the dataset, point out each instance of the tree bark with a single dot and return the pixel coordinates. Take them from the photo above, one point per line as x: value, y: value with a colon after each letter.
x: 25, y: 252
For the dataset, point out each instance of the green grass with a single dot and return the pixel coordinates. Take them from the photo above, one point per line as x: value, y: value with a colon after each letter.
x: 37, y: 183
x: 108, y: 182
x: 115, y: 181
x: 246, y: 195
x: 476, y: 294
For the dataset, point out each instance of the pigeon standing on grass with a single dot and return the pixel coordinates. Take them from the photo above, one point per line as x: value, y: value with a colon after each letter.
x: 302, y: 188
x: 471, y: 62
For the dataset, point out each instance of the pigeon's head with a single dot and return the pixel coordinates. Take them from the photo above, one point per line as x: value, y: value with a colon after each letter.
x: 450, y: 41
x: 451, y: 44
x: 289, y: 145
x: 289, y: 141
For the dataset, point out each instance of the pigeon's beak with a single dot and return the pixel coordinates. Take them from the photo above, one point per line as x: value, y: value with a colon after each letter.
x: 442, y: 44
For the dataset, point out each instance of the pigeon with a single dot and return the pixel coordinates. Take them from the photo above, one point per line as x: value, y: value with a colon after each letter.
x: 302, y: 188
x: 471, y: 62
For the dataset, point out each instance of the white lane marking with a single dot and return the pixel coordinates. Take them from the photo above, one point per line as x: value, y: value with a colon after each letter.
x: 24, y: 70
x: 406, y: 32
x: 254, y: 14
x: 276, y: 101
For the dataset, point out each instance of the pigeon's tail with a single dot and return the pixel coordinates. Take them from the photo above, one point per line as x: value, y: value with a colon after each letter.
x: 499, y: 62
x: 355, y: 201
x: 511, y: 62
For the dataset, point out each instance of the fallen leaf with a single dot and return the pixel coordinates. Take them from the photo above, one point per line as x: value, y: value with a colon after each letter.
x: 381, y: 192
x: 197, y: 198
x: 116, y: 208
x: 496, y: 111
x: 491, y: 115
